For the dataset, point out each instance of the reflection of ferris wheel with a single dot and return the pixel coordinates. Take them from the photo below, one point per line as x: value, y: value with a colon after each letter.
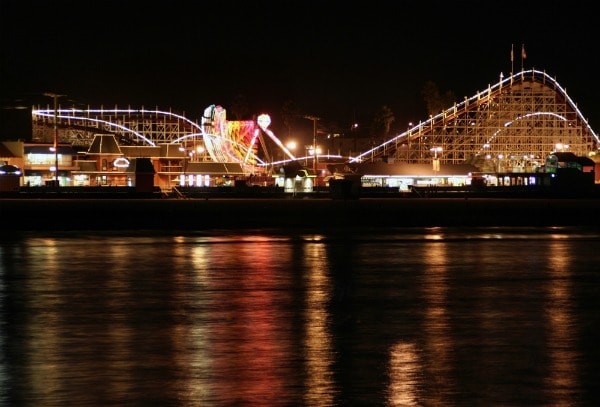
x: 218, y: 139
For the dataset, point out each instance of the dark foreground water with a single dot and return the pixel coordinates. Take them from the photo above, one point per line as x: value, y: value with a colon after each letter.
x: 405, y: 317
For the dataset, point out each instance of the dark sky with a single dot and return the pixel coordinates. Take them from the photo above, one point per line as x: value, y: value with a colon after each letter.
x: 337, y: 60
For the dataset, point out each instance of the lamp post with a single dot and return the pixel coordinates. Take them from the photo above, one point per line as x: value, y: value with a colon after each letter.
x: 314, y: 120
x: 55, y: 96
x: 436, y: 160
x: 407, y: 144
x: 291, y: 146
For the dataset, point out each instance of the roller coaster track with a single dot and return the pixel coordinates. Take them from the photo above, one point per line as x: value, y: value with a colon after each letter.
x: 519, y: 120
x: 221, y: 140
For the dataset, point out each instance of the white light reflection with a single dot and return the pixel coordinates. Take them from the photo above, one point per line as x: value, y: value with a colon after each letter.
x: 403, y: 372
x: 318, y: 338
x: 563, y: 369
x: 43, y: 342
x: 197, y: 336
x: 407, y: 370
x: 438, y: 344
x: 432, y: 234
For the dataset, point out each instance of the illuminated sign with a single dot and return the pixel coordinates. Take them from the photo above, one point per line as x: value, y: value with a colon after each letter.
x: 121, y: 162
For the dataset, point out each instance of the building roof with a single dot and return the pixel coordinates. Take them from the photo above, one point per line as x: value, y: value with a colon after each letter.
x: 172, y: 151
x: 104, y: 144
x: 10, y: 170
x: 567, y: 157
x: 11, y: 149
x: 414, y: 170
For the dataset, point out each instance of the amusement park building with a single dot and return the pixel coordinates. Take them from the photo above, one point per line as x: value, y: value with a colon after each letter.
x: 512, y: 126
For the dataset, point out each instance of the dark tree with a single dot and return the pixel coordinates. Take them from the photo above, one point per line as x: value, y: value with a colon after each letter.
x: 382, y: 123
x: 434, y: 101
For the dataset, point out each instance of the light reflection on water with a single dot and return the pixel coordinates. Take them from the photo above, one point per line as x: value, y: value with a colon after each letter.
x: 431, y: 316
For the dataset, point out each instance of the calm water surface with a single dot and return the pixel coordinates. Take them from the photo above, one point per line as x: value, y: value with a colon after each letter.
x: 404, y: 317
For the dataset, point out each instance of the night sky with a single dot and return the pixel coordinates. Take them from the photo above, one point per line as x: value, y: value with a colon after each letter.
x: 340, y: 61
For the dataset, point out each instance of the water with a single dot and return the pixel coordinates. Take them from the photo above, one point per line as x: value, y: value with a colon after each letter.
x: 400, y: 317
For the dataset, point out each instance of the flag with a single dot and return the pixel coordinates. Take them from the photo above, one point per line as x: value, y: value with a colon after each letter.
x: 523, y: 54
x: 512, y: 53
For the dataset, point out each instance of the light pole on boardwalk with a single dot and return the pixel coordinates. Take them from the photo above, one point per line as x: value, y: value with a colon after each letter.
x: 314, y: 120
x: 55, y: 96
x: 436, y: 160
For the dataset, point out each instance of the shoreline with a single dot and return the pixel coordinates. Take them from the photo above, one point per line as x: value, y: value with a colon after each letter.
x: 249, y: 213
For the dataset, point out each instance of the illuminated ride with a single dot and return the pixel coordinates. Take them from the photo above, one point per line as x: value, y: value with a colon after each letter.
x: 236, y: 141
x: 513, y: 124
x: 216, y: 139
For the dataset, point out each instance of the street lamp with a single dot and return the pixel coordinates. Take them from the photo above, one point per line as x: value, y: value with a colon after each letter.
x: 291, y: 146
x: 436, y: 160
x: 314, y: 120
x: 55, y: 96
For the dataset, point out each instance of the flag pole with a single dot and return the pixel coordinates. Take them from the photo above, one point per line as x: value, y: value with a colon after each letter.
x: 512, y: 59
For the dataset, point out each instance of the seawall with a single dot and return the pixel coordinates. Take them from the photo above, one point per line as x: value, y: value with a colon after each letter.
x: 202, y: 214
